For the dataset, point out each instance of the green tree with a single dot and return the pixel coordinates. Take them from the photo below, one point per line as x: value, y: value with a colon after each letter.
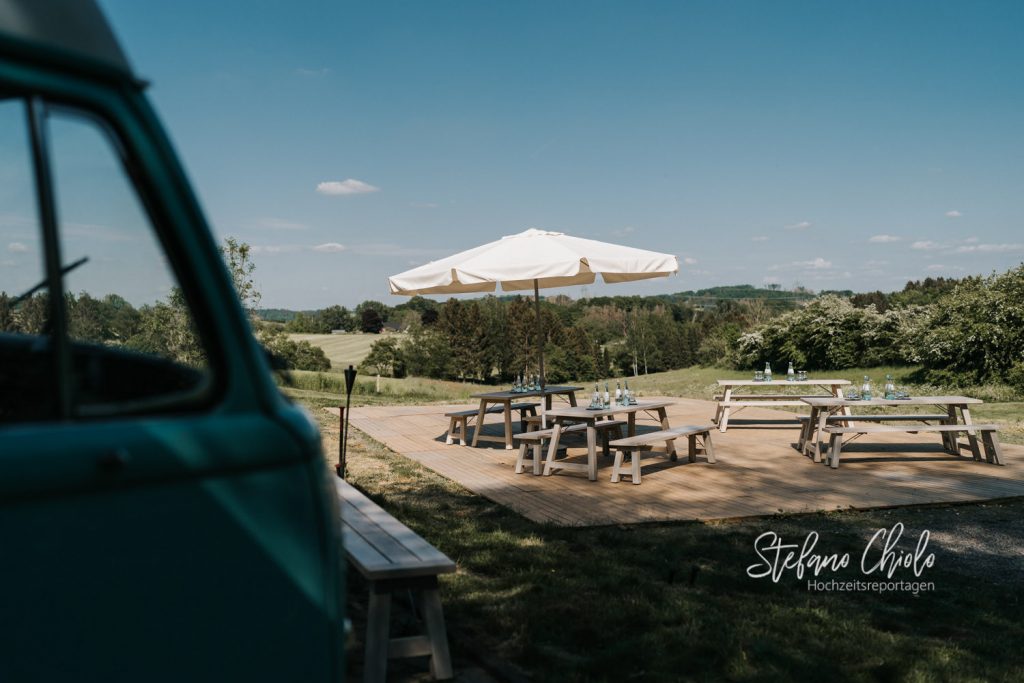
x: 385, y: 358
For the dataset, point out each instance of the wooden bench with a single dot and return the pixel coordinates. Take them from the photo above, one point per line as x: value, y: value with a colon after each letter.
x: 807, y: 429
x: 460, y: 419
x: 993, y: 452
x: 392, y: 557
x: 635, y: 446
x: 534, y: 440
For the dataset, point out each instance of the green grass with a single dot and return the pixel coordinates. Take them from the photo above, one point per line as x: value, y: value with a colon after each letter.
x: 671, y: 602
x: 344, y: 349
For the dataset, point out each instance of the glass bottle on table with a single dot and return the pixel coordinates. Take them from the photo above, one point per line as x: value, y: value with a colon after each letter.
x: 595, y: 400
x: 618, y: 393
x: 791, y: 373
x: 607, y: 396
x: 767, y: 372
x: 890, y: 388
x: 865, y: 389
x: 625, y: 394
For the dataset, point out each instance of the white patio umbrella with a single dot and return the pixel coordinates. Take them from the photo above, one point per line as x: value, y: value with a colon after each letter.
x: 533, y: 259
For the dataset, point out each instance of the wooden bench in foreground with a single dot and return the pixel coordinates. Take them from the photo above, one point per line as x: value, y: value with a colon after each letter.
x: 988, y: 435
x: 534, y: 440
x: 635, y: 446
x: 392, y: 557
x: 459, y: 422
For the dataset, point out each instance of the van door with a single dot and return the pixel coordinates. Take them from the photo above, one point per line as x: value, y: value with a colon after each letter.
x: 158, y: 521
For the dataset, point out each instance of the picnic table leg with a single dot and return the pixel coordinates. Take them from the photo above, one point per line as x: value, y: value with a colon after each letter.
x: 556, y: 430
x: 822, y: 423
x: 378, y: 619
x: 723, y: 421
x: 670, y: 444
x: 709, y: 449
x: 631, y: 424
x: 972, y: 435
x: 835, y: 447
x: 479, y: 422
x: 592, y: 451
x: 572, y: 398
x: 992, y: 450
x: 837, y: 391
x: 508, y: 424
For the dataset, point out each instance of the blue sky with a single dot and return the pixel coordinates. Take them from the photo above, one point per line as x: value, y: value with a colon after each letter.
x: 834, y: 145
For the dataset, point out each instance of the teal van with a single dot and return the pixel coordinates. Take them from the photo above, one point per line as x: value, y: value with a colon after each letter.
x: 164, y: 513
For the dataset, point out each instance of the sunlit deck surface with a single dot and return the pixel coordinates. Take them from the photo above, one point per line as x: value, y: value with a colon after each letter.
x: 759, y: 471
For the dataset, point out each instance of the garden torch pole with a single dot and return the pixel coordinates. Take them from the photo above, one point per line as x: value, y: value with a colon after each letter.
x: 350, y: 382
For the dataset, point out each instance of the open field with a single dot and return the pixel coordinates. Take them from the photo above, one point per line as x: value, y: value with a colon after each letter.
x: 343, y: 349
x: 669, y: 602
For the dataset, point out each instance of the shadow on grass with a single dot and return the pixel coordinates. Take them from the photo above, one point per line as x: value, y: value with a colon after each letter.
x: 670, y: 602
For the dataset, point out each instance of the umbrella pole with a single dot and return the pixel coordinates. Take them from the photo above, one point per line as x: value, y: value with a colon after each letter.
x: 540, y: 332
x: 540, y: 356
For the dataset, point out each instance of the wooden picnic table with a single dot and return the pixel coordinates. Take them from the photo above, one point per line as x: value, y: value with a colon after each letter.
x: 581, y: 414
x: 506, y: 399
x: 825, y: 410
x: 730, y: 402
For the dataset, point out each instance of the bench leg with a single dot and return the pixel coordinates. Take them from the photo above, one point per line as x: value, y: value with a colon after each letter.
x: 433, y: 618
x: 521, y: 458
x: 723, y: 418
x: 377, y: 641
x: 992, y: 450
x: 556, y: 433
x: 451, y: 431
x: 709, y: 449
x: 619, y: 454
x: 835, y: 447
x: 538, y: 459
x: 692, y: 447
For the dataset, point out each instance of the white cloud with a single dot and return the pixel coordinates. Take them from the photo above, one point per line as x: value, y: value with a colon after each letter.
x: 939, y: 266
x: 690, y: 261
x: 771, y: 280
x: 971, y: 240
x: 17, y: 247
x: 990, y: 248
x: 345, y: 187
x: 275, y: 248
x: 953, y: 214
x: 925, y: 245
x: 816, y: 264
x: 759, y: 238
x: 802, y: 225
x: 281, y: 224
x: 329, y: 247
x: 875, y: 264
x: 884, y: 239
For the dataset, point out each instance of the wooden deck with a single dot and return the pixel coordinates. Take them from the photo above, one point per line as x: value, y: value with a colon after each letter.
x: 759, y: 471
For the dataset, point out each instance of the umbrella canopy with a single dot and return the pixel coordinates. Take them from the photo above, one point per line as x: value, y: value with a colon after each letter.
x: 533, y: 259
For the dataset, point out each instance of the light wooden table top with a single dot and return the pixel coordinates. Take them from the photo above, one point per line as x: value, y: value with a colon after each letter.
x: 829, y: 402
x: 546, y: 391
x: 782, y: 383
x: 584, y: 413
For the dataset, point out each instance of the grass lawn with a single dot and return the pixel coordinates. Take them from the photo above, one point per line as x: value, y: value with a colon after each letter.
x: 344, y: 349
x: 669, y: 602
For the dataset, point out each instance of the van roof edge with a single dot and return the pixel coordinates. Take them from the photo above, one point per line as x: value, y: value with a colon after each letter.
x: 63, y: 30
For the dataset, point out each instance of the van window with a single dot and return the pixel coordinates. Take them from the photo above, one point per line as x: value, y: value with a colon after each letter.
x: 134, y: 342
x: 26, y: 369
